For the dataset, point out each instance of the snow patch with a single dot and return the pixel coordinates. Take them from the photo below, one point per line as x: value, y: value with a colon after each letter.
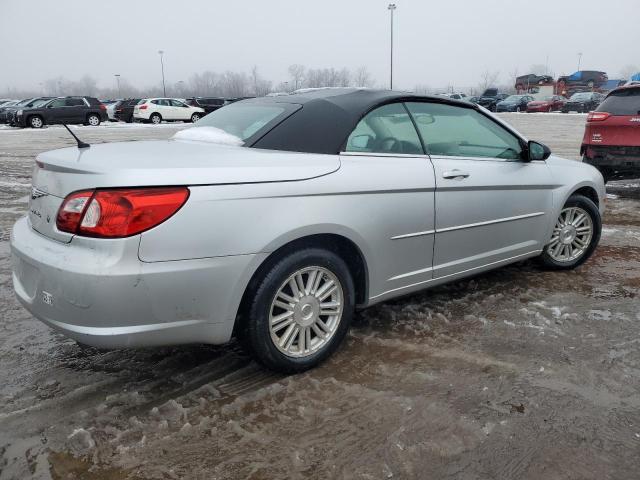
x: 208, y: 134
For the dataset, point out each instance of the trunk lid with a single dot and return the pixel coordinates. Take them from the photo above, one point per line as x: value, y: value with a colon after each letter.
x: 172, y: 162
x: 159, y: 163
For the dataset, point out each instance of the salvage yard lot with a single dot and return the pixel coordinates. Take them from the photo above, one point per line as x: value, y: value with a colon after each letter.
x: 518, y: 373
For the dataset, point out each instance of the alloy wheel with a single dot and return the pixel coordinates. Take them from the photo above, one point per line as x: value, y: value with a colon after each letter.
x: 94, y: 121
x: 306, y: 311
x: 36, y: 122
x: 571, y: 235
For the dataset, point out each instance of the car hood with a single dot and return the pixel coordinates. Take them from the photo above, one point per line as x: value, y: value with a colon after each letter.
x: 172, y: 162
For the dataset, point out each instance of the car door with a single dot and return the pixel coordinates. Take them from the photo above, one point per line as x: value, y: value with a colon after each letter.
x: 392, y: 186
x: 164, y: 108
x: 56, y: 111
x: 180, y: 110
x: 491, y: 206
x: 76, y: 110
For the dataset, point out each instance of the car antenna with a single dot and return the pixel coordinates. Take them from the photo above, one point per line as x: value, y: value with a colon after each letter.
x: 81, y: 144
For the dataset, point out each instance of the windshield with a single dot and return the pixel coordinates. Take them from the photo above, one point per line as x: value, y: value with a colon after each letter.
x: 513, y: 98
x: 581, y: 96
x: 23, y: 102
x: 244, y: 120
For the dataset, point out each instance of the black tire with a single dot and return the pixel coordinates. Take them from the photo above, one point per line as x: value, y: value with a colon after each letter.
x: 254, y: 332
x: 195, y: 117
x: 92, y: 117
x: 588, y: 206
x: 155, y: 118
x: 35, y: 121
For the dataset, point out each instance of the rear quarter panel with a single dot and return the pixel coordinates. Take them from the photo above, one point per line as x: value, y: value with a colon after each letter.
x: 369, y: 200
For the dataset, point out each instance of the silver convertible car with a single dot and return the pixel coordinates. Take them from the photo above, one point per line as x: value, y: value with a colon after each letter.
x: 273, y: 219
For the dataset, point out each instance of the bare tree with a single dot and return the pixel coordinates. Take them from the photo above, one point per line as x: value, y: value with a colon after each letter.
x: 260, y: 86
x: 362, y: 77
x: 488, y: 79
x: 296, y: 72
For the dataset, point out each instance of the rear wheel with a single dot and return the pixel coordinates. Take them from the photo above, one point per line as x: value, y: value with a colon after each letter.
x: 299, y: 311
x: 93, y: 120
x: 155, y: 118
x: 550, y: 109
x: 36, y: 122
x: 575, y: 235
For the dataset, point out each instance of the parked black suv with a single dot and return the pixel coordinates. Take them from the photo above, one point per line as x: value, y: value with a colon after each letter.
x: 209, y: 104
x: 490, y: 98
x: 84, y: 110
x: 124, y: 109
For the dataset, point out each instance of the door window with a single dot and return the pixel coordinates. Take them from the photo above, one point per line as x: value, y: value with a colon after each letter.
x: 58, y: 102
x: 176, y: 103
x: 387, y: 129
x: 462, y: 132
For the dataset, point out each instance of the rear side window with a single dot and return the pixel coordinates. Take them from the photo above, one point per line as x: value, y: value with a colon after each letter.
x: 622, y: 102
x: 387, y: 129
x: 462, y: 132
x: 75, y: 102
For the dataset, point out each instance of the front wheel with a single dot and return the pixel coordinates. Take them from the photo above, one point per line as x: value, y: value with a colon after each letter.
x: 195, y: 117
x: 36, y: 122
x: 299, y: 311
x: 575, y: 235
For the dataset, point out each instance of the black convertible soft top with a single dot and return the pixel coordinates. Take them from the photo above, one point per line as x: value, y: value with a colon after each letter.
x: 328, y: 116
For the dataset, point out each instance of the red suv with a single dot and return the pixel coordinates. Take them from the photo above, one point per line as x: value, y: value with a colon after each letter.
x: 611, y: 140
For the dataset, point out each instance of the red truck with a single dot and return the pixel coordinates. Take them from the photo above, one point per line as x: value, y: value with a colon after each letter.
x: 611, y: 140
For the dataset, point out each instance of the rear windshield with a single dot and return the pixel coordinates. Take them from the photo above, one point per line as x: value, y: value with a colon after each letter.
x: 581, y: 96
x: 622, y: 102
x: 245, y: 120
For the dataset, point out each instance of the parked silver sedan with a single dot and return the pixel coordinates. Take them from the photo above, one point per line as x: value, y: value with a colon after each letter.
x: 273, y: 219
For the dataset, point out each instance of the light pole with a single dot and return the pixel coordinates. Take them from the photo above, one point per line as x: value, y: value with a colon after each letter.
x: 164, y: 89
x: 117, y: 75
x: 391, y: 8
x: 579, y: 60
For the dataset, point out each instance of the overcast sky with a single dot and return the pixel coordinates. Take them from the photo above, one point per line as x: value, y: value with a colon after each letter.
x: 437, y: 42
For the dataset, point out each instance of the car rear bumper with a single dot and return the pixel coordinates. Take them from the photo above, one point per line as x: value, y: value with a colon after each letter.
x: 99, y: 292
x: 614, y: 162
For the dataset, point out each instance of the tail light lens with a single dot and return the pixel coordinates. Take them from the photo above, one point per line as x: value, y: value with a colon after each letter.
x: 102, y: 107
x: 119, y: 213
x: 597, y: 116
x: 143, y: 107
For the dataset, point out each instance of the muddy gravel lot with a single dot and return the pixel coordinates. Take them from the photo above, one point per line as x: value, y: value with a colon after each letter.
x: 515, y: 374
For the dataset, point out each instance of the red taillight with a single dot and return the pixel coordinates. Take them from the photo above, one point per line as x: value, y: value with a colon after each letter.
x: 143, y: 107
x: 102, y: 107
x: 597, y: 116
x: 119, y: 212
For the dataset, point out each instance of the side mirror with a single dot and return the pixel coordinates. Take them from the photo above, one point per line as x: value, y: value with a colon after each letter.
x: 361, y: 141
x: 538, y: 151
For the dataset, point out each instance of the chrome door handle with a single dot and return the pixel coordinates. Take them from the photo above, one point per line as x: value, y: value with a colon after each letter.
x: 455, y: 173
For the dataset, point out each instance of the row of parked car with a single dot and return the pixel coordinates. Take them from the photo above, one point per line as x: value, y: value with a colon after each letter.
x: 39, y: 111
x: 492, y: 99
